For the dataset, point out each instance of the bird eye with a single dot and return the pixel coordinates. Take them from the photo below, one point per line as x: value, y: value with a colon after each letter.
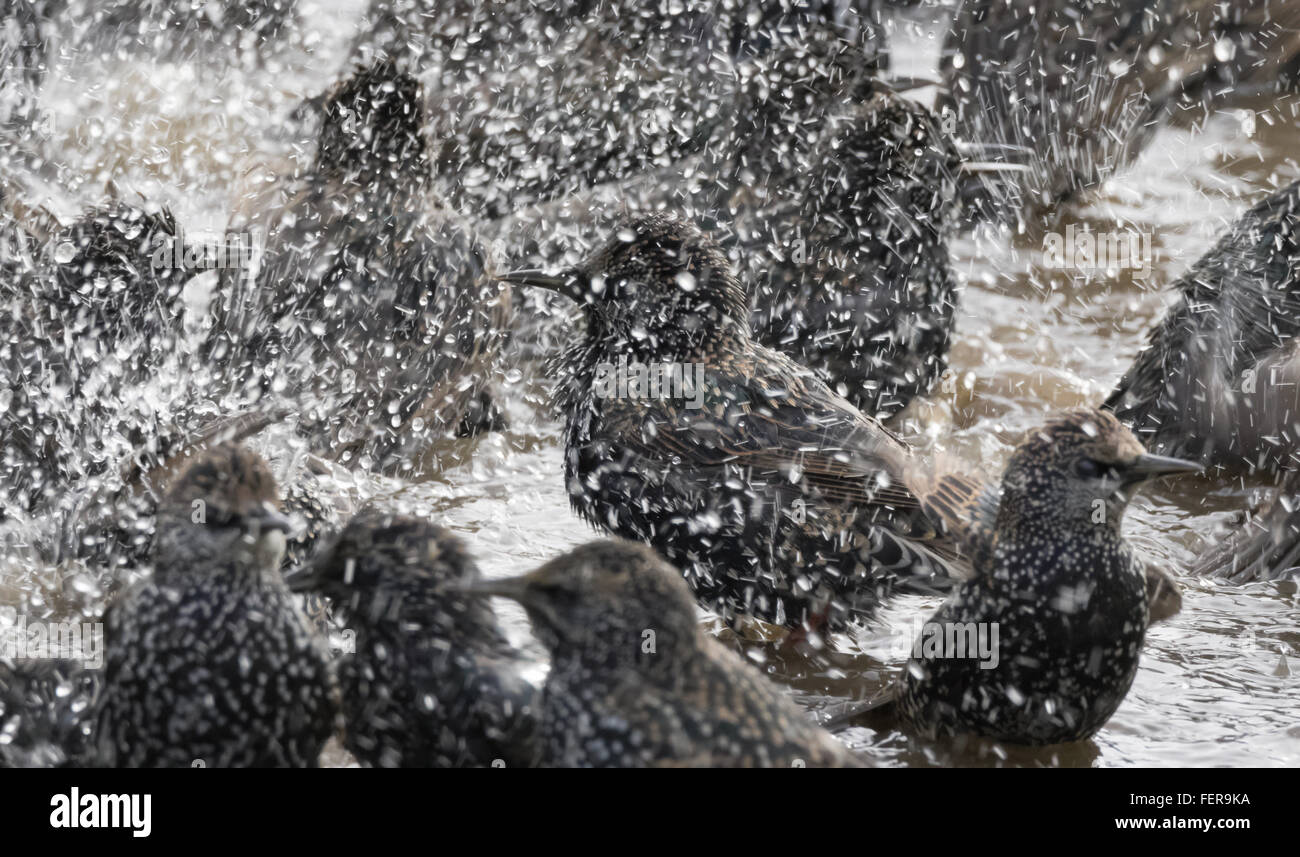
x: 1089, y: 468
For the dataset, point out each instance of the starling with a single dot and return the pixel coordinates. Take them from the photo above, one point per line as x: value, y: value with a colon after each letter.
x: 635, y: 681
x: 968, y: 510
x: 372, y: 304
x: 777, y: 498
x: 432, y: 681
x: 849, y: 260
x: 1219, y: 380
x: 647, y: 86
x: 210, y: 662
x: 89, y: 319
x: 1082, y: 85
x: 1058, y: 599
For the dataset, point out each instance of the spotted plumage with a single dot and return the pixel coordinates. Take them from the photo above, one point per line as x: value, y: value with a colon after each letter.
x: 210, y: 662
x: 775, y: 497
x: 1065, y: 592
x: 848, y: 260
x: 1219, y: 379
x: 968, y: 511
x: 372, y: 304
x: 43, y: 705
x: 1081, y: 86
x: 432, y: 681
x: 635, y: 681
x: 90, y: 316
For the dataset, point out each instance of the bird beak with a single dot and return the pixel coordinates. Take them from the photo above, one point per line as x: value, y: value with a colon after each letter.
x: 911, y: 84
x: 567, y: 283
x: 303, y: 578
x: 1149, y: 466
x: 514, y: 588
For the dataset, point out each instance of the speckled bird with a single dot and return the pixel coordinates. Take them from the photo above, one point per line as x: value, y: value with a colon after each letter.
x: 432, y: 682
x: 636, y: 682
x: 210, y: 662
x: 848, y: 261
x: 777, y: 498
x: 1219, y: 379
x: 1064, y: 590
x: 1080, y: 86
x: 87, y: 319
x: 372, y: 303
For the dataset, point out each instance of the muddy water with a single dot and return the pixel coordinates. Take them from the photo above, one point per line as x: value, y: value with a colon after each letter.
x: 1215, y: 686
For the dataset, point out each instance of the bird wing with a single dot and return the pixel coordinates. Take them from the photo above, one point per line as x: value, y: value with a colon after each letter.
x: 961, y: 507
x: 775, y: 419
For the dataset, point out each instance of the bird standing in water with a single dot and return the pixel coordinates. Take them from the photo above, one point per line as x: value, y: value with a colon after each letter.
x: 1055, y: 588
x: 1219, y: 379
x: 777, y: 498
x: 210, y: 662
x: 1082, y: 85
x: 636, y: 682
x: 849, y: 261
x: 372, y: 304
x: 432, y: 681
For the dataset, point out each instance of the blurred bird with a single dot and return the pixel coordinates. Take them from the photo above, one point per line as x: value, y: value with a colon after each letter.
x: 89, y: 316
x: 1058, y: 592
x: 849, y: 259
x: 1264, y: 543
x: 1219, y: 380
x: 776, y: 497
x: 210, y: 662
x: 432, y: 681
x: 635, y: 681
x: 372, y: 305
x: 1082, y: 86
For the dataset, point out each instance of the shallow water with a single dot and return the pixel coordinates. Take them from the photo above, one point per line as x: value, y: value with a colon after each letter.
x: 1215, y: 686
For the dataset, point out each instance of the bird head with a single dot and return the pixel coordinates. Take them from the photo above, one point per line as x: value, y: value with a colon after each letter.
x: 659, y: 285
x: 607, y: 601
x: 372, y: 128
x: 1080, y: 468
x: 223, y: 511
x: 381, y: 554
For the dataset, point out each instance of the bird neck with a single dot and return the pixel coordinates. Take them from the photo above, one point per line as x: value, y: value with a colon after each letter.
x: 678, y: 339
x: 656, y: 655
x: 185, y: 552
